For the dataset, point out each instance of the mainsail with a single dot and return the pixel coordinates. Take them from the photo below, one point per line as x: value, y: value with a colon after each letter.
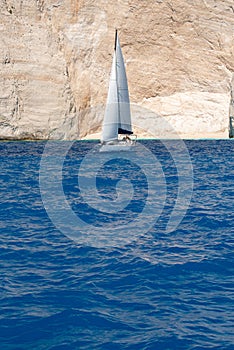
x: 117, y: 117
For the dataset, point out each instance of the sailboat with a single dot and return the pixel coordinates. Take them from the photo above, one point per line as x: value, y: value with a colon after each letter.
x: 117, y: 129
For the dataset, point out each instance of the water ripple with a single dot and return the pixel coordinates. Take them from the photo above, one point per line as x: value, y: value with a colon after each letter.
x: 163, y: 291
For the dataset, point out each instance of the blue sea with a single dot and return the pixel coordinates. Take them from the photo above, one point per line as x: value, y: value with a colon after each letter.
x: 115, y: 252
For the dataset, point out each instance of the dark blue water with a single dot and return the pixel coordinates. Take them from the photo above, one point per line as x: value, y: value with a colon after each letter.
x: 161, y: 291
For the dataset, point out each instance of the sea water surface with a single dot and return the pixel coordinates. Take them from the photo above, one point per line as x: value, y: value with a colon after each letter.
x: 161, y: 290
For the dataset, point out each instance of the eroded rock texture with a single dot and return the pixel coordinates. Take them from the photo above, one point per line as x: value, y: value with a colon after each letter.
x: 55, y: 58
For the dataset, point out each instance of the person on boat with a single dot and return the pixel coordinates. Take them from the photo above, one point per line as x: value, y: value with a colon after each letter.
x: 126, y: 138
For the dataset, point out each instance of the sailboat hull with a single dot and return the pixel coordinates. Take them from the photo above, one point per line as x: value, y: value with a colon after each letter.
x: 118, y: 146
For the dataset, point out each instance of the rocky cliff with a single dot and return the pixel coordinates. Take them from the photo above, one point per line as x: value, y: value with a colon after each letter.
x: 55, y: 58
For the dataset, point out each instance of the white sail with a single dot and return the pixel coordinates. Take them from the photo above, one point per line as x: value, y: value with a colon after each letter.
x: 123, y: 95
x: 117, y: 118
x: 111, y: 116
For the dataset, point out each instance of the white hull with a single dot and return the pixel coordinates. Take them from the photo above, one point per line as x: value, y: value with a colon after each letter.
x: 118, y: 146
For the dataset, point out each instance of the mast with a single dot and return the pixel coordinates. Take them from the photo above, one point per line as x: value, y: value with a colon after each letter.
x: 116, y: 34
x: 117, y: 85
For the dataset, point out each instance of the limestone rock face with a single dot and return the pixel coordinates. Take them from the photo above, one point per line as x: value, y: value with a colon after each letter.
x: 55, y: 58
